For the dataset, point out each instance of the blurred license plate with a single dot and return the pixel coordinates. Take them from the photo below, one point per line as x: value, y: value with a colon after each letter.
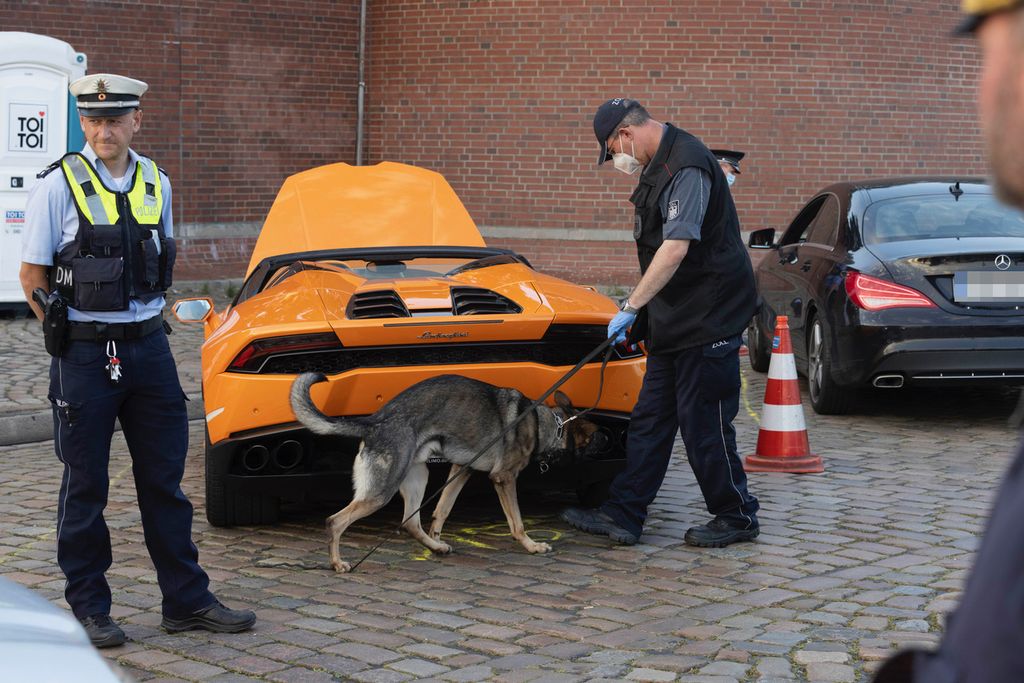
x: 979, y: 286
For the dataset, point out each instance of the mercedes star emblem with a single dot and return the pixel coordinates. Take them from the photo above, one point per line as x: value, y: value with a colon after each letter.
x: 1003, y: 262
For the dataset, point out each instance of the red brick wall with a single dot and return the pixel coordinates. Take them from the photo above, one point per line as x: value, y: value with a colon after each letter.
x: 498, y: 96
x: 242, y: 94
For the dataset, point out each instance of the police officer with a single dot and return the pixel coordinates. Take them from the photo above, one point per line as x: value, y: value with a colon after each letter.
x: 697, y: 295
x: 983, y: 638
x: 98, y: 235
x: 729, y: 162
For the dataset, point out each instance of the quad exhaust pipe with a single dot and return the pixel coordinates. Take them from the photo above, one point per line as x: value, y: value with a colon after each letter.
x: 255, y: 458
x: 888, y: 381
x: 285, y: 456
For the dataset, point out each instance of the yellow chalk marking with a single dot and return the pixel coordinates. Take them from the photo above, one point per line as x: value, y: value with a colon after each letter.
x: 464, y: 536
x: 746, y: 398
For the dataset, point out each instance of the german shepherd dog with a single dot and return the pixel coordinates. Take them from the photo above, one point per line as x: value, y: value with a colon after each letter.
x: 448, y: 416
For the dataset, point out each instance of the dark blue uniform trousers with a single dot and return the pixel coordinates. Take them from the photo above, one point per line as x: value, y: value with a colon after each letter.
x: 694, y: 392
x: 150, y: 405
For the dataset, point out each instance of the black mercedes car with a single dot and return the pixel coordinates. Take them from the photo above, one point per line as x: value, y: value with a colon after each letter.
x: 894, y: 282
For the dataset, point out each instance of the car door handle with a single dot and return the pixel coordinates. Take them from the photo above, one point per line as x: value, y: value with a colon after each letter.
x: 787, y: 258
x: 806, y: 266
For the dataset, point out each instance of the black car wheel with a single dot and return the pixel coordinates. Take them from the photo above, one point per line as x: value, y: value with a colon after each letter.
x: 225, y: 508
x: 827, y: 397
x: 757, y: 347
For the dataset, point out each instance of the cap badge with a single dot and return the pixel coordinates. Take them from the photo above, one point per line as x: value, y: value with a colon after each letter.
x: 101, y: 88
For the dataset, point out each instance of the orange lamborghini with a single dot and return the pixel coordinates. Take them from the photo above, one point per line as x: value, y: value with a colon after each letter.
x: 377, y: 277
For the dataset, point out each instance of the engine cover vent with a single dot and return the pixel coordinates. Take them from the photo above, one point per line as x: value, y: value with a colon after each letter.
x: 383, y: 303
x: 478, y: 301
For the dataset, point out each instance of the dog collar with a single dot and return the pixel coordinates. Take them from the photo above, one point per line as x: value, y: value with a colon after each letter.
x: 546, y: 456
x: 560, y: 425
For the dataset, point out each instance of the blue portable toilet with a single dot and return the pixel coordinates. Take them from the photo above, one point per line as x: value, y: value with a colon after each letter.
x: 38, y: 124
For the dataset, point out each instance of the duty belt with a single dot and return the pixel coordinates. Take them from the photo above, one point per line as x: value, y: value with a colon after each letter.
x: 114, y: 331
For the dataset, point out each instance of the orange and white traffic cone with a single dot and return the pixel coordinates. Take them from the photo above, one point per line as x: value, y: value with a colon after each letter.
x: 782, y: 444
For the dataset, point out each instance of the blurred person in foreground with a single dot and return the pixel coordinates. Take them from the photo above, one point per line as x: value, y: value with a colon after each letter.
x: 984, y: 636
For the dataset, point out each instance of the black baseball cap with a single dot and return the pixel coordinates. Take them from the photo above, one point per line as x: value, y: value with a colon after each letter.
x: 609, y: 115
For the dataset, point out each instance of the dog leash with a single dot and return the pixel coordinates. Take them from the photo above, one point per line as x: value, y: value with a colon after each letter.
x: 606, y: 346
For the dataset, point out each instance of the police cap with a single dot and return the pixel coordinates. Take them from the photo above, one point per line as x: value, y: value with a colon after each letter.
x: 608, y: 117
x: 976, y: 11
x: 730, y: 157
x: 107, y: 94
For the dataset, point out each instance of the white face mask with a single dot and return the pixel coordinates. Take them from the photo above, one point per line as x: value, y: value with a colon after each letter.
x: 730, y: 178
x: 626, y: 163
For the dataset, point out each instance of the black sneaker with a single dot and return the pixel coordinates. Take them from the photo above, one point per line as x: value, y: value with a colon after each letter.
x: 596, y: 522
x: 719, y: 533
x: 102, y: 631
x: 216, y: 618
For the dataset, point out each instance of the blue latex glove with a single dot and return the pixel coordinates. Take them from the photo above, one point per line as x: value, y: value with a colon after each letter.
x: 619, y: 324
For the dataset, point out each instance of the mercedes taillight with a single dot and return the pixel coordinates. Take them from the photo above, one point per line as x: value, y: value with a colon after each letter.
x: 874, y: 294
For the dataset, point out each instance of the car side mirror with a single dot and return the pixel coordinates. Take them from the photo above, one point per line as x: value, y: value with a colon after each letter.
x: 762, y: 239
x: 195, y: 310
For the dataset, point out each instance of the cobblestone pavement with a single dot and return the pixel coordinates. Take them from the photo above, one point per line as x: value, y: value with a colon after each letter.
x: 851, y: 564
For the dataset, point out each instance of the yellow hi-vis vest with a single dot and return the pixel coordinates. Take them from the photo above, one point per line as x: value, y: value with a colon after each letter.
x: 97, y: 204
x: 120, y: 251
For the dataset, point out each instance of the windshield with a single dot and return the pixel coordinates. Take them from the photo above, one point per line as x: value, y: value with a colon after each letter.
x: 399, y: 268
x: 936, y: 216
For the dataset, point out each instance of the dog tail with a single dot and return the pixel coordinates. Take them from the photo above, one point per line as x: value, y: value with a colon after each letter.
x: 308, y: 414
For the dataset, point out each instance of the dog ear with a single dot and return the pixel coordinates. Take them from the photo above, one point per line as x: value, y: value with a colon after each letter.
x: 563, y: 402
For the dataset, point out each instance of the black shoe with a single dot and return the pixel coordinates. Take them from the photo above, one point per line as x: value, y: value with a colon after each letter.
x: 596, y: 522
x: 719, y: 533
x: 216, y: 618
x: 102, y: 631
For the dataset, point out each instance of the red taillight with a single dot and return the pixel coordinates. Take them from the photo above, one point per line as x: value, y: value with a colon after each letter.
x: 873, y: 294
x: 252, y: 356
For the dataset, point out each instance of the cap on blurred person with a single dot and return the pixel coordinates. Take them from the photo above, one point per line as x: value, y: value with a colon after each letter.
x: 977, y: 11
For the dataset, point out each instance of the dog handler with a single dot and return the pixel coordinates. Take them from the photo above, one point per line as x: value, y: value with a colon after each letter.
x: 697, y: 293
x: 98, y: 237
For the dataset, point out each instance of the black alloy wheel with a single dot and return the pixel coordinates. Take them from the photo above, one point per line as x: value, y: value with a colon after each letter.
x: 827, y: 397
x: 757, y: 346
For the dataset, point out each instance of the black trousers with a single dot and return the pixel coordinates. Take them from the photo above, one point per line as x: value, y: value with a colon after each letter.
x: 694, y: 392
x: 150, y: 405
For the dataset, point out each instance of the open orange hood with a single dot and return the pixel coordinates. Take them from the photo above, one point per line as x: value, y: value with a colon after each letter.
x: 341, y: 206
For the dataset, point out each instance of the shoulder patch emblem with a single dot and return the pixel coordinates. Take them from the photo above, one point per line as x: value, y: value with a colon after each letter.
x: 673, y: 209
